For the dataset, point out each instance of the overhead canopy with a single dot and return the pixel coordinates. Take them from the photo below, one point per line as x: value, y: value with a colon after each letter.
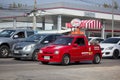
x: 87, y: 24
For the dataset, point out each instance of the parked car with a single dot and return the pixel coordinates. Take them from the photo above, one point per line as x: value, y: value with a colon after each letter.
x: 111, y: 47
x: 29, y: 48
x: 95, y: 39
x: 10, y: 36
x: 68, y: 49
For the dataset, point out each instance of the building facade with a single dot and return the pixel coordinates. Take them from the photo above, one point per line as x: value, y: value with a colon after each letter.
x: 52, y: 17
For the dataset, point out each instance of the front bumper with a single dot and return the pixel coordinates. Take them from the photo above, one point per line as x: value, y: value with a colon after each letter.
x: 107, y: 53
x: 51, y: 57
x: 22, y: 54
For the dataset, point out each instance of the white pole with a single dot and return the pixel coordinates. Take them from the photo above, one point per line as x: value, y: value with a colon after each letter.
x: 103, y: 31
x: 112, y: 18
x: 59, y: 22
x: 34, y: 22
x: 34, y: 16
x: 14, y: 23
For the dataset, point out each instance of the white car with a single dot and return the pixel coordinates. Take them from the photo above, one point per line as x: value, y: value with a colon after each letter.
x: 95, y: 39
x: 111, y: 47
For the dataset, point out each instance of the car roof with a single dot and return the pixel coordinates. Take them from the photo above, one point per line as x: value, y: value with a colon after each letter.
x: 20, y: 29
x: 74, y: 35
x: 95, y: 37
x: 49, y: 34
x: 114, y: 37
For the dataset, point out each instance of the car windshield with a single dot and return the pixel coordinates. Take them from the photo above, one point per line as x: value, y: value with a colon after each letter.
x: 63, y: 41
x: 89, y: 39
x: 7, y: 33
x: 112, y: 40
x: 34, y: 38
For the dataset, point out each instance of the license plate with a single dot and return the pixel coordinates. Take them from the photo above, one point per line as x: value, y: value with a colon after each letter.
x: 47, y: 57
x: 16, y: 51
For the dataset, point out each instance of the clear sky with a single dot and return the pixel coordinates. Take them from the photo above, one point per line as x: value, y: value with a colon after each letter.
x: 31, y: 2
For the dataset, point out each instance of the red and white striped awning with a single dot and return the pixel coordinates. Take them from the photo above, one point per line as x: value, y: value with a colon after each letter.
x: 87, y: 24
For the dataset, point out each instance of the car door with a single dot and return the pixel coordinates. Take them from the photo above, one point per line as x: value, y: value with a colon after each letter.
x: 81, y: 51
x: 47, y: 40
x: 29, y: 33
x: 17, y: 37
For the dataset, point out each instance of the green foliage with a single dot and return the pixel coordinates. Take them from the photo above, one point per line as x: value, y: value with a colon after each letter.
x: 114, y: 5
x: 1, y: 6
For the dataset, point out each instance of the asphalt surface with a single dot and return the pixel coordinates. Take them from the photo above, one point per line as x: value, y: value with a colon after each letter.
x: 10, y: 69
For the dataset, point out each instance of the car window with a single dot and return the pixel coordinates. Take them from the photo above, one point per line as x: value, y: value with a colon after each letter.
x: 89, y: 39
x: 50, y: 38
x: 56, y: 36
x: 29, y: 33
x: 99, y: 40
x: 63, y: 41
x: 7, y: 33
x: 35, y: 38
x: 80, y: 41
x: 111, y: 40
x: 21, y: 34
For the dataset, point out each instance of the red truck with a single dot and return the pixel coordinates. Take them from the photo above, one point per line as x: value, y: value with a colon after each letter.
x: 70, y: 48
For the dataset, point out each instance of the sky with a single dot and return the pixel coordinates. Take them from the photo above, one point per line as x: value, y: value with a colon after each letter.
x: 31, y: 2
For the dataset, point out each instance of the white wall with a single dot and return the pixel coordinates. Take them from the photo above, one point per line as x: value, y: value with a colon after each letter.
x: 23, y: 24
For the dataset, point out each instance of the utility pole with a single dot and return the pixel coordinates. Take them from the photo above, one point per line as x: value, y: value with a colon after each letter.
x: 34, y: 15
x: 112, y: 18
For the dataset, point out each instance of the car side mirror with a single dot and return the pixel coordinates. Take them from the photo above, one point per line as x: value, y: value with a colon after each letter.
x: 46, y: 42
x: 15, y: 36
x: 75, y: 45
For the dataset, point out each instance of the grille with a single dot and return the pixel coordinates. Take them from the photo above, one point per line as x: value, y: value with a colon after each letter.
x: 47, y: 52
x: 18, y: 47
x: 17, y: 54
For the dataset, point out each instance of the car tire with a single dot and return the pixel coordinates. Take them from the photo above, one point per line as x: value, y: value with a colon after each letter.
x: 4, y: 51
x: 34, y: 56
x: 43, y: 62
x: 66, y: 59
x: 96, y: 59
x: 115, y: 54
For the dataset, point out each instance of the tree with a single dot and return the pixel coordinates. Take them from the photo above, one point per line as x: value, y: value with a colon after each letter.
x: 1, y: 6
x: 14, y: 5
x: 105, y: 5
x: 19, y: 5
x: 115, y: 5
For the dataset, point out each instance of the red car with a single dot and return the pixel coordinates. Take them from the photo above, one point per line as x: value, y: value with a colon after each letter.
x: 70, y: 48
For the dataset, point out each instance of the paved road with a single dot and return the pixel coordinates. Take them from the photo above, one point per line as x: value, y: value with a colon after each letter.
x: 11, y: 69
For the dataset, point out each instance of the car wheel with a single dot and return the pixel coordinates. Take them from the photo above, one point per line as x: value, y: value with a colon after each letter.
x: 65, y: 59
x: 115, y: 54
x: 34, y: 56
x: 43, y: 62
x: 97, y: 59
x: 4, y: 51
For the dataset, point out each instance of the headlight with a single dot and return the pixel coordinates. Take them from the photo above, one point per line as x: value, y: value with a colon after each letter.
x: 29, y: 47
x: 109, y: 48
x: 40, y: 51
x: 56, y: 52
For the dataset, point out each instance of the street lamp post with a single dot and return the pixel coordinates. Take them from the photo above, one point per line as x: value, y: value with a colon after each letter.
x: 112, y: 18
x: 36, y: 13
x: 34, y: 16
x: 34, y: 21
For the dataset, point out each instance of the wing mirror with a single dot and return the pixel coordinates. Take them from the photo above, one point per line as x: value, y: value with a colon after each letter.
x: 46, y: 42
x: 15, y: 36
